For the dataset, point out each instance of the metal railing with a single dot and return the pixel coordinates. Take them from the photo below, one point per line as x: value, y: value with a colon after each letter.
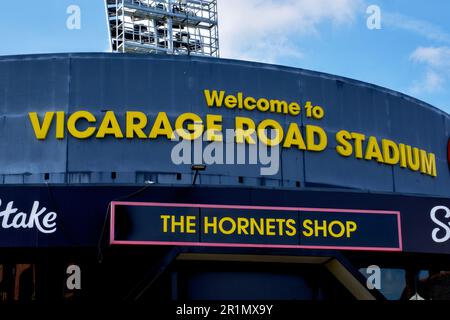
x: 165, y: 26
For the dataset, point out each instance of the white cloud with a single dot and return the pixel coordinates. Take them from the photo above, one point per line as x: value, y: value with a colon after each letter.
x: 417, y: 26
x: 436, y: 60
x: 434, y: 56
x: 432, y: 82
x: 437, y: 63
x: 267, y: 30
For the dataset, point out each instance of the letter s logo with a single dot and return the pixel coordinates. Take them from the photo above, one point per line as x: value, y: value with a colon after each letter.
x: 445, y: 227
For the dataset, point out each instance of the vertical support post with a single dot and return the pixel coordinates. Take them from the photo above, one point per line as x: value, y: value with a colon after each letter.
x: 174, y: 285
x: 170, y: 26
x: 155, y: 30
x: 123, y: 25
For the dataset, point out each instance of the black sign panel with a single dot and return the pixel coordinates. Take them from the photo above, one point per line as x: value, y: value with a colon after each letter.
x: 253, y: 226
x: 78, y: 216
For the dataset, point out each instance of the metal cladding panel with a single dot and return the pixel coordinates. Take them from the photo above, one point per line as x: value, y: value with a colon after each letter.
x: 328, y: 169
x: 29, y: 84
x: 151, y: 84
x: 132, y: 84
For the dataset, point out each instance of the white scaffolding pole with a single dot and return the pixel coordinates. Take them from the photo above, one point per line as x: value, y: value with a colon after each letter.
x: 164, y: 26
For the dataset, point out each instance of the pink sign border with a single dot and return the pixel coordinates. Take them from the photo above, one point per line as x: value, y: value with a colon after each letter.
x: 112, y: 241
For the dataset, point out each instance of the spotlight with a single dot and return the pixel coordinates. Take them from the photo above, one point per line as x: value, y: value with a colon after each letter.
x: 197, y: 168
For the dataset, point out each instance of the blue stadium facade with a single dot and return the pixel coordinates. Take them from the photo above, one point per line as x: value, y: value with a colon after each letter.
x: 83, y: 133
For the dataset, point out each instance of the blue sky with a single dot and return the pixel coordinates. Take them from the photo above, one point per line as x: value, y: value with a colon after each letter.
x: 32, y: 26
x: 410, y: 53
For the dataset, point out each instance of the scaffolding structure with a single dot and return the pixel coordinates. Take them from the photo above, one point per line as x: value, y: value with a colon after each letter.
x: 187, y: 27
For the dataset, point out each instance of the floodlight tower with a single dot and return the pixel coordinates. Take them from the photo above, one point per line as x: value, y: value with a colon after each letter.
x: 164, y: 26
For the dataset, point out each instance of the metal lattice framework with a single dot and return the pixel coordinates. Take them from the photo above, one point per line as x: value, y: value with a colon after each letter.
x: 165, y: 26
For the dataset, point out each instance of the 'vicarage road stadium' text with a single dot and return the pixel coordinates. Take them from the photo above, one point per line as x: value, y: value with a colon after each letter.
x: 84, y: 124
